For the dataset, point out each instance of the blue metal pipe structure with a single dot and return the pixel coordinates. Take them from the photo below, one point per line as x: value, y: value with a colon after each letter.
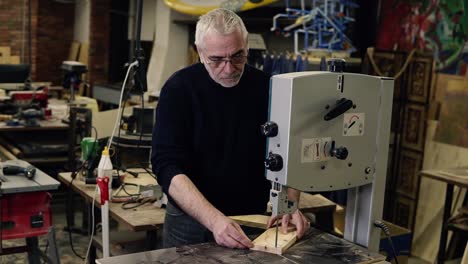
x: 323, y: 24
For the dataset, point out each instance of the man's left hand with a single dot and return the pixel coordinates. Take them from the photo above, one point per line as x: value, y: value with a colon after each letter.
x: 296, y: 218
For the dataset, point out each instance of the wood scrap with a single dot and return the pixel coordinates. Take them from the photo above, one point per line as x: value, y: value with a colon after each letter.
x: 266, y: 241
x: 74, y: 51
x: 256, y: 221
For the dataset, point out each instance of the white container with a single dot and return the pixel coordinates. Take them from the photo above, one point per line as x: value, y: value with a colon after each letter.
x: 105, y: 168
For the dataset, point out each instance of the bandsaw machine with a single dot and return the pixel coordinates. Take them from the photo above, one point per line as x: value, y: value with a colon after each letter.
x: 330, y: 131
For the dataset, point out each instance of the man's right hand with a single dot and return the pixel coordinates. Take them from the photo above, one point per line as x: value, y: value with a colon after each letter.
x: 229, y: 234
x: 225, y: 231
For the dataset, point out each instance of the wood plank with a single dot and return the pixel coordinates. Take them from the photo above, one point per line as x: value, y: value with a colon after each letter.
x: 5, y: 52
x: 315, y: 203
x: 465, y: 255
x: 142, y: 218
x: 74, y: 51
x: 15, y: 60
x: 84, y: 53
x: 256, y: 221
x: 428, y: 222
x: 266, y: 241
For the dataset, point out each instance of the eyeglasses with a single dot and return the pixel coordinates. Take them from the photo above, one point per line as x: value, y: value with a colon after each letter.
x: 236, y: 59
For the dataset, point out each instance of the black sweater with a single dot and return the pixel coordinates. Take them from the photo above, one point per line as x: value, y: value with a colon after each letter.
x: 212, y: 134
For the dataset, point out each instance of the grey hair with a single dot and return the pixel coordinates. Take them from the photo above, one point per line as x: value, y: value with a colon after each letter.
x: 221, y: 20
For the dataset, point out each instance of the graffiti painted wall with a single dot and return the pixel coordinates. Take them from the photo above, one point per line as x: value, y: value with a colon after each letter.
x: 440, y: 26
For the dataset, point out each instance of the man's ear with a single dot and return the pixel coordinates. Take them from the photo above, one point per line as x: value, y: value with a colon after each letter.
x: 199, y: 55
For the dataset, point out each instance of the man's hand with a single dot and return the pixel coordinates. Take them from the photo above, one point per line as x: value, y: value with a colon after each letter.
x: 229, y: 234
x: 296, y: 218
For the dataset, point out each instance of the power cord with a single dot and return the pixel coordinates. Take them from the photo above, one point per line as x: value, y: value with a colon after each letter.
x: 68, y: 218
x: 92, y: 226
x: 70, y: 196
x: 117, y: 123
x: 1, y: 219
x: 386, y: 231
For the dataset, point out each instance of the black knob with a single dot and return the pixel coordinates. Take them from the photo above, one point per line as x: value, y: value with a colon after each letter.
x: 340, y: 153
x: 336, y: 65
x: 274, y: 162
x: 270, y: 129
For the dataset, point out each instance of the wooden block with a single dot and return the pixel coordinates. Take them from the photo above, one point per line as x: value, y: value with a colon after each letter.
x: 465, y: 255
x: 84, y: 53
x: 14, y: 60
x: 5, y: 52
x: 257, y: 221
x: 266, y: 241
x: 315, y: 203
x: 74, y: 51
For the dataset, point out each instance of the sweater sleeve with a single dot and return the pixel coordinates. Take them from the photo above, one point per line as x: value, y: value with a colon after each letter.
x: 170, y: 146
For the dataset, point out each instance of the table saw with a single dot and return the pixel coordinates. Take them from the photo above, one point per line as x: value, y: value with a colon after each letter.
x: 25, y: 205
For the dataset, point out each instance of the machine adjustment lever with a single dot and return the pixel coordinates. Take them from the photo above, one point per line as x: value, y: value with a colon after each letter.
x: 340, y: 153
x: 274, y: 162
x: 270, y: 129
x: 341, y: 106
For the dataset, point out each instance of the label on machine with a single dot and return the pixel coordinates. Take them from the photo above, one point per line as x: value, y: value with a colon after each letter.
x: 353, y: 124
x: 315, y: 149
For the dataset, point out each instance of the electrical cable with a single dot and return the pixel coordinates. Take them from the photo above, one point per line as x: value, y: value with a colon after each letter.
x: 92, y: 226
x: 142, y: 118
x: 116, y: 124
x: 386, y: 231
x: 68, y: 220
x: 148, y: 171
x: 46, y: 248
x: 73, y: 176
x: 116, y: 158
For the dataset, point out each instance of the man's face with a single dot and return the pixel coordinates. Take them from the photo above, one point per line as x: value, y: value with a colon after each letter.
x: 224, y: 57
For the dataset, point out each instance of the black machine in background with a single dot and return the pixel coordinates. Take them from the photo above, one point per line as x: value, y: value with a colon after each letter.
x: 14, y: 73
x: 72, y: 77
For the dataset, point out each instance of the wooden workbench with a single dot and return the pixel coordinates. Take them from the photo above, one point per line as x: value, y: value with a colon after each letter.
x: 148, y: 217
x: 453, y: 177
x: 143, y: 218
x: 49, y: 132
x: 316, y: 247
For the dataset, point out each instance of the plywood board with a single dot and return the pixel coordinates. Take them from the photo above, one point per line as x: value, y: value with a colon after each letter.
x: 14, y: 60
x: 432, y: 192
x: 266, y: 241
x: 74, y: 51
x: 442, y: 83
x: 453, y: 124
x: 5, y: 52
x: 257, y: 221
x: 84, y: 53
x: 465, y: 255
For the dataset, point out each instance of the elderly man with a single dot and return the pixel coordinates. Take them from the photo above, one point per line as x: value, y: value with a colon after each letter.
x: 208, y: 150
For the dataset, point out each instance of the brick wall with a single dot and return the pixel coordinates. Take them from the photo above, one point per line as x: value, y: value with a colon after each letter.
x: 52, y: 34
x: 54, y: 37
x: 99, y: 41
x: 11, y: 26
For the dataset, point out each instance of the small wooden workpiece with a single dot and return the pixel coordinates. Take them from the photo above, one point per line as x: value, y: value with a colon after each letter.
x: 266, y: 241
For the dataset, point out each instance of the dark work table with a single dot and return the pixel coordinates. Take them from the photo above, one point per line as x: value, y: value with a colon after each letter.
x: 316, y: 247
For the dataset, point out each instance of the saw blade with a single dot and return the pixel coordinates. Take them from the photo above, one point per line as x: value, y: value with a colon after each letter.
x: 276, y: 237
